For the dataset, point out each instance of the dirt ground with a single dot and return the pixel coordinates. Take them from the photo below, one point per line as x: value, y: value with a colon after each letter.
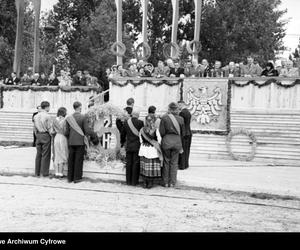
x: 29, y: 204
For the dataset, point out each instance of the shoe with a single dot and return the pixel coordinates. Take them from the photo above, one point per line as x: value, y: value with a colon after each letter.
x: 165, y: 185
x: 172, y: 185
x: 77, y: 181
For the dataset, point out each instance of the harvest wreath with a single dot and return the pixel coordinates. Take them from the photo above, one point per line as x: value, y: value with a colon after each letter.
x: 242, y: 131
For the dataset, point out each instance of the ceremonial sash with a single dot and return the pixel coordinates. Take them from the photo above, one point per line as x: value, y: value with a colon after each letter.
x: 154, y: 143
x: 71, y: 120
x: 132, y: 128
x: 177, y: 127
x: 175, y: 123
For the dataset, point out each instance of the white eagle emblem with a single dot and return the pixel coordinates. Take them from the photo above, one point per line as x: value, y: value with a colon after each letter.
x: 204, y: 107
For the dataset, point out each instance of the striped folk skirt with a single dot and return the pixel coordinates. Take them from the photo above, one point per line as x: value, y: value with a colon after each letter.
x: 150, y: 167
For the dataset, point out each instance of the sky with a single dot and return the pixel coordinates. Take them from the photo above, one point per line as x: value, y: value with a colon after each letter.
x: 293, y: 28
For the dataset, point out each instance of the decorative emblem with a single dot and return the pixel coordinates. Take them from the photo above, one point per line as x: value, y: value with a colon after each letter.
x: 203, y: 108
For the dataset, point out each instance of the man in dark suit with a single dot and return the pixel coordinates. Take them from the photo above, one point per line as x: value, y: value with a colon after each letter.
x: 33, y: 115
x: 13, y: 80
x: 171, y: 130
x: 177, y: 71
x: 187, y: 137
x: 77, y: 128
x: 120, y: 123
x: 131, y: 131
x: 78, y: 79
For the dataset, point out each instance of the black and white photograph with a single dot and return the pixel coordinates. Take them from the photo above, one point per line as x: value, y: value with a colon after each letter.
x: 148, y: 116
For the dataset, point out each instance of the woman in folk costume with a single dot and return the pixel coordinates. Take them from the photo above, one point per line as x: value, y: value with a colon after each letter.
x: 60, y: 145
x: 150, y: 153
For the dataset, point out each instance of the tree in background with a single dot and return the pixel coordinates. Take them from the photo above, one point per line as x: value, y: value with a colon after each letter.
x: 230, y: 29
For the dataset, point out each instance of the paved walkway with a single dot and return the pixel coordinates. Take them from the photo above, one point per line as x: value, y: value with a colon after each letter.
x: 219, y: 175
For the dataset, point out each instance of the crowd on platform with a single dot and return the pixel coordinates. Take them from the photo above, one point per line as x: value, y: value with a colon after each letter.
x: 64, y: 79
x: 191, y: 68
x: 155, y: 147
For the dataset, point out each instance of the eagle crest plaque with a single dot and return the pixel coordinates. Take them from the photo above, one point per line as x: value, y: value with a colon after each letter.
x: 208, y: 103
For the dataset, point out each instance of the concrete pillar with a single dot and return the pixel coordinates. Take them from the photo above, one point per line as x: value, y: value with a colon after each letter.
x: 119, y: 28
x: 198, y: 9
x: 175, y: 4
x: 20, y: 6
x: 36, y: 48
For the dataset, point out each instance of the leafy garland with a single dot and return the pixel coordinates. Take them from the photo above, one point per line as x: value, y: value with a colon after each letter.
x: 253, y: 139
x: 156, y: 84
x: 266, y: 83
x: 50, y: 88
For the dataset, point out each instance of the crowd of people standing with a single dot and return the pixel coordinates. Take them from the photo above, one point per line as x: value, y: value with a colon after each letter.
x: 156, y: 147
x: 66, y: 136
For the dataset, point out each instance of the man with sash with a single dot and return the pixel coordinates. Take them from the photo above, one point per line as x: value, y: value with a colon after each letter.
x: 171, y: 130
x: 77, y: 129
x: 42, y: 129
x: 131, y: 131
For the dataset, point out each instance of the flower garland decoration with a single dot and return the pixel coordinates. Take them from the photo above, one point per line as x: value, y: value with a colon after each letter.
x: 50, y: 88
x: 114, y: 50
x: 171, y: 82
x: 147, y: 50
x: 176, y: 48
x: 251, y: 135
x: 198, y: 47
x: 266, y: 83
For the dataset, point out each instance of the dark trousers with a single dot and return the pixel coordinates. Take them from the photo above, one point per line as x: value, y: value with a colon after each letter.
x: 169, y: 171
x: 34, y: 140
x: 185, y: 156
x: 43, y: 154
x: 132, y: 168
x: 75, y: 162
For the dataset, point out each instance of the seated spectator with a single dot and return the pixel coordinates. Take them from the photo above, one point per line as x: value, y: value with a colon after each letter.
x: 195, y: 70
x: 64, y: 79
x: 53, y: 81
x: 188, y: 69
x: 148, y: 70
x: 132, y: 71
x: 232, y: 70
x: 35, y: 79
x: 13, y: 79
x: 278, y: 66
x: 42, y: 80
x: 251, y: 69
x: 90, y: 80
x: 140, y: 64
x: 141, y: 72
x: 113, y: 71
x: 269, y: 70
x: 217, y: 71
x: 170, y: 65
x: 289, y: 71
x: 120, y: 71
x: 204, y: 68
x: 78, y: 79
x: 25, y: 79
x: 177, y: 71
x: 161, y: 70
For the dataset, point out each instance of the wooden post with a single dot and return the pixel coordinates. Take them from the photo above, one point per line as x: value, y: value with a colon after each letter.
x: 145, y: 4
x: 119, y: 28
x: 36, y: 52
x: 198, y: 9
x: 19, y: 36
x: 175, y: 4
